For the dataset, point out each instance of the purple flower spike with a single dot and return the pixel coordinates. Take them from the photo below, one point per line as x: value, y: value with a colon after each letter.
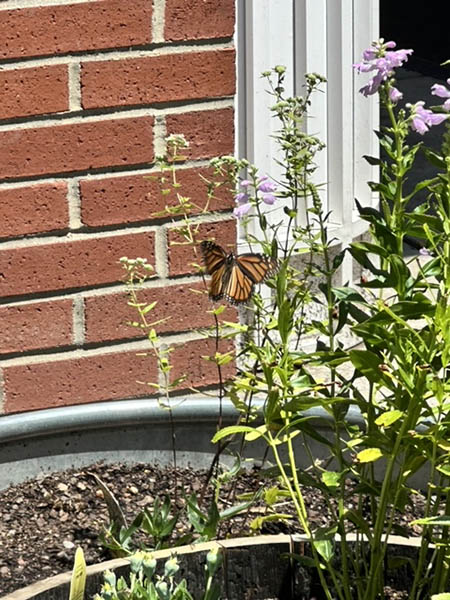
x: 269, y: 199
x: 241, y: 210
x: 423, y: 118
x: 383, y: 61
x: 440, y: 90
x: 395, y: 95
x: 241, y: 198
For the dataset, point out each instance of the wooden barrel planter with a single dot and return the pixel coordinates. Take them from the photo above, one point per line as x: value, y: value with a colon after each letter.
x: 253, y: 569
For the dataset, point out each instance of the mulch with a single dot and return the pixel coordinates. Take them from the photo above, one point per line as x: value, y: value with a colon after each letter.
x: 42, y: 521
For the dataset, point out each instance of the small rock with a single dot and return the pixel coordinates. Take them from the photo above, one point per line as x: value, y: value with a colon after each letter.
x: 68, y: 544
x: 62, y: 487
x: 133, y: 489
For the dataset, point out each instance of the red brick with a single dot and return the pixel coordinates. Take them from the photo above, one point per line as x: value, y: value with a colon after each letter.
x: 107, y: 316
x: 70, y: 264
x: 199, y: 19
x: 181, y: 257
x: 75, y: 147
x: 35, y: 326
x: 157, y: 79
x: 133, y: 199
x: 210, y: 133
x: 34, y: 91
x: 77, y: 381
x: 187, y: 360
x: 91, y: 25
x: 35, y: 209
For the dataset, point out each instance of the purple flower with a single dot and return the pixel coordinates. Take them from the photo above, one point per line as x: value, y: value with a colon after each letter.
x: 266, y: 186
x: 424, y: 252
x: 423, y: 118
x: 269, y: 198
x: 241, y: 210
x: 383, y: 61
x: 395, y: 95
x: 245, y: 183
x: 241, y: 198
x: 440, y: 90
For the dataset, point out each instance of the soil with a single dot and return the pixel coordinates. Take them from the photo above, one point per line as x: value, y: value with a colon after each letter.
x: 42, y: 521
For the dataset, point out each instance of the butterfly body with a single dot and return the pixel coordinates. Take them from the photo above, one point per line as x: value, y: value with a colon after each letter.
x: 234, y: 277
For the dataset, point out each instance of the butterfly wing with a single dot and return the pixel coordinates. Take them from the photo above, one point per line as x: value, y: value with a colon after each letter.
x: 257, y: 267
x: 215, y: 260
x: 246, y: 271
x: 234, y: 278
x: 214, y: 256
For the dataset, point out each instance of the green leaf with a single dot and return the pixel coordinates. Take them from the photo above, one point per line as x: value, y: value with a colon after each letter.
x: 443, y: 520
x: 435, y: 159
x: 348, y: 294
x: 388, y: 418
x: 149, y: 307
x: 78, y: 580
x: 255, y: 433
x: 324, y: 548
x: 232, y: 430
x: 369, y: 455
x: 444, y: 596
x: 372, y: 160
x: 367, y: 363
x: 331, y: 478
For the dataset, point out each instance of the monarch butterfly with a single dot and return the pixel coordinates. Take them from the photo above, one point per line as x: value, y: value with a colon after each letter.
x: 234, y: 277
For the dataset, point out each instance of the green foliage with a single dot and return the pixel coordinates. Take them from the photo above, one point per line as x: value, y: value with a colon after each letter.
x: 144, y: 584
x: 397, y: 376
x: 157, y: 524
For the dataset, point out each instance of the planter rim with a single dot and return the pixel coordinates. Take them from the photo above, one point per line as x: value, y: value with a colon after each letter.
x: 122, y: 413
x: 41, y: 586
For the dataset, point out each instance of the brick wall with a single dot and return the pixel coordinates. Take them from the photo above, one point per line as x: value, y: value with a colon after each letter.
x: 88, y: 92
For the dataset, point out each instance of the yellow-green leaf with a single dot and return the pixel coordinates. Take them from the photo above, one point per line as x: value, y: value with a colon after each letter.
x: 255, y: 433
x: 388, y: 418
x: 369, y: 455
x: 331, y: 478
x: 231, y: 430
x: 78, y: 581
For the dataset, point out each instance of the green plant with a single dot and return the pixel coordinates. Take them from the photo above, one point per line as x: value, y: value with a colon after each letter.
x: 400, y: 315
x: 156, y: 524
x: 145, y: 584
x: 401, y: 318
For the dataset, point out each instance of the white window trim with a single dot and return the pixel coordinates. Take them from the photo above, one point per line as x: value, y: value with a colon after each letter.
x: 327, y: 37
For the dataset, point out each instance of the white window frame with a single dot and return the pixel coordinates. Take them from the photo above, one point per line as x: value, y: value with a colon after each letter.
x: 327, y: 37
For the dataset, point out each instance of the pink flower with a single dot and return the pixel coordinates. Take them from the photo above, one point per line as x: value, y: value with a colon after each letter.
x: 383, y: 61
x: 395, y: 95
x: 440, y: 90
x: 241, y: 210
x: 423, y: 118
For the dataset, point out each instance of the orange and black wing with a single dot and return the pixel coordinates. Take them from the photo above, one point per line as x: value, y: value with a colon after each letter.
x: 245, y: 272
x: 214, y: 258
